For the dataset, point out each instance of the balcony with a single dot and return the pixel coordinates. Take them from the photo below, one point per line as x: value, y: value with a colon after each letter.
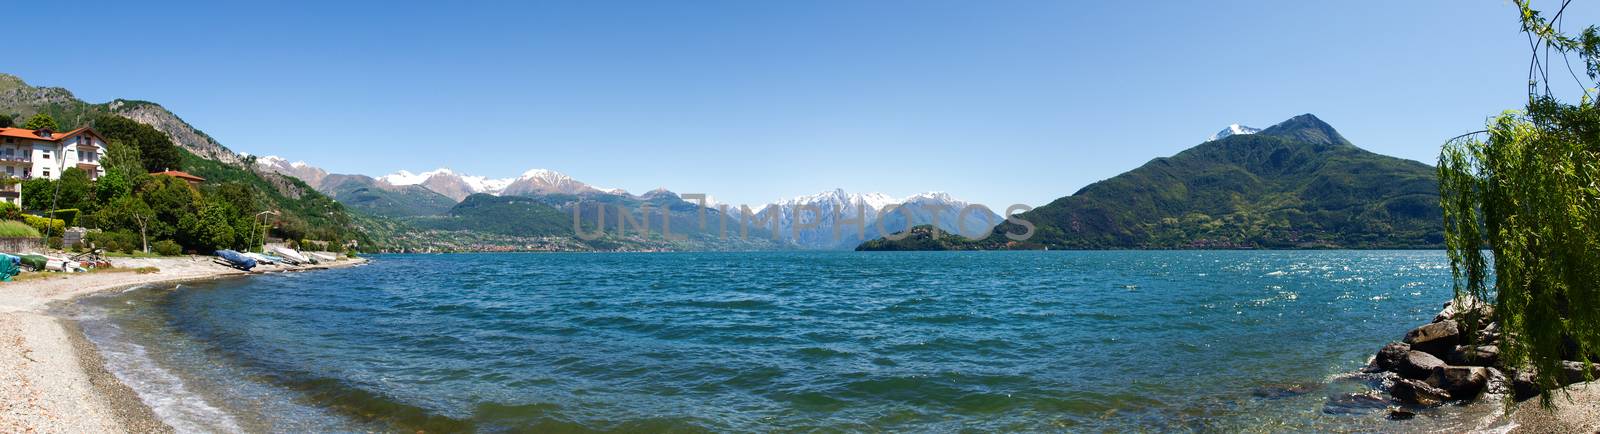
x: 16, y: 158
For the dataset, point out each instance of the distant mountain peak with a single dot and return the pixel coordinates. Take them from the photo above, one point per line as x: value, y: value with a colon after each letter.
x: 1234, y: 130
x: 1306, y: 128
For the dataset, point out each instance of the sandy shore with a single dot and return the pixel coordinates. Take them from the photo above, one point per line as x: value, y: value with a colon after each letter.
x: 52, y: 379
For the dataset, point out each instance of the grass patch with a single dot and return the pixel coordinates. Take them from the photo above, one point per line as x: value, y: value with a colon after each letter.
x: 16, y: 229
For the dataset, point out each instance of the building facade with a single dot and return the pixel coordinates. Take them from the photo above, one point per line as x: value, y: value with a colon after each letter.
x: 27, y: 154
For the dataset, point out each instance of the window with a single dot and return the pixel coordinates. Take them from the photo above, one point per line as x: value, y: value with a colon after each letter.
x: 11, y: 170
x: 46, y: 154
x: 47, y: 173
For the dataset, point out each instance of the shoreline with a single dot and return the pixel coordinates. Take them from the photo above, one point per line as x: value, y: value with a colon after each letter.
x: 38, y: 343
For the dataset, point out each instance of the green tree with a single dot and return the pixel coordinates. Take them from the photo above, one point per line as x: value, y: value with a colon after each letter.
x: 210, y: 229
x: 1529, y: 193
x: 40, y: 121
x: 6, y: 121
x: 74, y: 190
x: 36, y: 194
x: 115, y: 184
x: 122, y: 157
x: 128, y: 213
x: 156, y: 151
x: 173, y: 200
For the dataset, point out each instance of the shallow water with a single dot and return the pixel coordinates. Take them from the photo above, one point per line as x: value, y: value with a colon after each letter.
x: 804, y: 341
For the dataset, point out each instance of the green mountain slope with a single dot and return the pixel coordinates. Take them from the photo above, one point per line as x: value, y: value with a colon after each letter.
x: 1298, y: 184
x: 364, y: 194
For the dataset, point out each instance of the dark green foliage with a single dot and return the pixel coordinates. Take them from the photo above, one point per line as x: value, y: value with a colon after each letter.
x: 6, y: 121
x: 36, y: 194
x: 115, y: 241
x: 9, y: 211
x: 41, y: 121
x: 166, y: 248
x: 153, y: 148
x: 921, y: 238
x: 74, y: 190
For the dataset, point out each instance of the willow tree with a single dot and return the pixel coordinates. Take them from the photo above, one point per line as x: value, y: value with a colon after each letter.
x: 1528, y: 189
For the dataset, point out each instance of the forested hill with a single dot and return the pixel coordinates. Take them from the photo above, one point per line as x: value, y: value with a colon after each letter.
x: 1297, y: 184
x: 164, y: 141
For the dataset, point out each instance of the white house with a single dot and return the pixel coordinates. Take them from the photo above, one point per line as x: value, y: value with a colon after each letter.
x: 28, y: 154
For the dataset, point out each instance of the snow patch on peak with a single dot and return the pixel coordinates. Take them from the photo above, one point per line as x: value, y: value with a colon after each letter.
x: 1234, y: 130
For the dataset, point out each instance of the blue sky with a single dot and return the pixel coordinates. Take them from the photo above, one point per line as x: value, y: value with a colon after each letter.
x: 997, y: 102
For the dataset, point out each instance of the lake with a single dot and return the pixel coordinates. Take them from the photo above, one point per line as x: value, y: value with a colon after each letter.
x: 781, y: 341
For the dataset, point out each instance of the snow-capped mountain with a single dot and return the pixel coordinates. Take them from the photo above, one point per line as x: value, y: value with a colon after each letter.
x: 543, y: 181
x: 1233, y: 130
x: 458, y: 186
x: 312, y: 175
x: 819, y: 214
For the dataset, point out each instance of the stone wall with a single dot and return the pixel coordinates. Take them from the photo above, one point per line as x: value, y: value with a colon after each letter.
x: 21, y: 244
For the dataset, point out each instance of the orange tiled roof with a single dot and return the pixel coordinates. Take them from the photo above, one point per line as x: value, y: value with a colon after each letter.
x: 180, y: 175
x: 34, y: 135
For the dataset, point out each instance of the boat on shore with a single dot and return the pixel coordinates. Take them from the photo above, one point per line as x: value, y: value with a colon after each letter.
x: 260, y: 258
x: 324, y: 257
x: 236, y: 259
x: 290, y: 255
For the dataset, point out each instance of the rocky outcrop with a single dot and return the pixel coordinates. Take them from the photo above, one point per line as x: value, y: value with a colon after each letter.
x: 182, y: 134
x: 1457, y: 357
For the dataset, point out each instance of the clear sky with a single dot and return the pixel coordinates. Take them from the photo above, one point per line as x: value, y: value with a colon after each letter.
x: 998, y: 102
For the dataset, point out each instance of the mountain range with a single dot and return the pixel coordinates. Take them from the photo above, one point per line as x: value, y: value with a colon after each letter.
x: 1297, y: 184
x: 807, y: 222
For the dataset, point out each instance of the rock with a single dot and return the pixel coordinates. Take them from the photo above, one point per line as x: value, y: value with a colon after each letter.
x: 1418, y: 365
x: 1524, y: 385
x: 1482, y: 355
x: 1456, y: 309
x: 1416, y: 392
x: 1390, y: 356
x: 1462, y: 382
x: 1573, y: 372
x: 1354, y: 404
x: 1498, y: 383
x: 1436, y: 339
x: 1490, y: 333
x: 1401, y: 414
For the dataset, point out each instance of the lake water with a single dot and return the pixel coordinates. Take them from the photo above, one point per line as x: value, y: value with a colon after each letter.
x: 801, y: 341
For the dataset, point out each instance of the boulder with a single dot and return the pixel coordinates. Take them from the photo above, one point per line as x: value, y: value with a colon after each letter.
x: 1436, y: 338
x: 1418, y: 365
x: 1401, y: 414
x: 1390, y: 356
x: 1456, y: 309
x: 1462, y: 382
x: 1573, y: 372
x: 1417, y: 392
x: 1498, y: 383
x: 1482, y: 355
x: 1524, y: 385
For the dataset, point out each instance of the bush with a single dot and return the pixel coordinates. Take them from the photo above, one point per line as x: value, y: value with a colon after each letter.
x: 41, y: 224
x: 9, y: 211
x: 16, y: 229
x: 70, y: 215
x: 167, y: 248
x: 119, y: 241
x: 54, y: 243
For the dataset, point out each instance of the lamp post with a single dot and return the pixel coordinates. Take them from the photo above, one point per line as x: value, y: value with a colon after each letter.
x: 264, y: 227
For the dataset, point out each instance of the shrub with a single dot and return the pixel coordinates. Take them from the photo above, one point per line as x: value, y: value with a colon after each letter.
x: 167, y: 248
x: 41, y: 224
x: 54, y: 243
x: 9, y: 211
x: 16, y: 229
x: 69, y: 216
x: 118, y: 241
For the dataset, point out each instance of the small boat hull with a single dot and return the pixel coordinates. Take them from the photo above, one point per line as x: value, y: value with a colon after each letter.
x: 238, y: 260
